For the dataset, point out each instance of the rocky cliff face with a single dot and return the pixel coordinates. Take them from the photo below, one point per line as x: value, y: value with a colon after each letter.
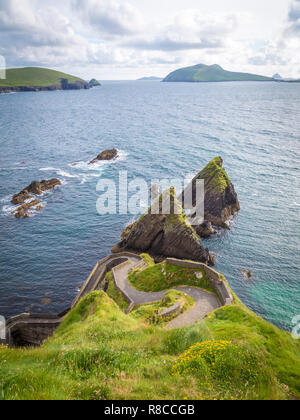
x: 165, y: 235
x: 63, y: 85
x: 221, y: 201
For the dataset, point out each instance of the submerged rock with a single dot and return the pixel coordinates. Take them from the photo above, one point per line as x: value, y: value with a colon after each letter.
x: 34, y: 188
x: 106, y: 155
x: 165, y: 235
x: 221, y: 201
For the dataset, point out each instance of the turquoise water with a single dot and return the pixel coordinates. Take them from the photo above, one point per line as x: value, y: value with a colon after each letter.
x: 162, y: 131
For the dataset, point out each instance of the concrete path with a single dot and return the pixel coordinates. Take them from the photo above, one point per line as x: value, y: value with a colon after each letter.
x: 205, y: 302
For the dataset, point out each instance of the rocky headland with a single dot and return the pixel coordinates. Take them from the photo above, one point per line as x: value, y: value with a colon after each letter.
x: 220, y: 201
x: 165, y: 235
x: 106, y: 155
x: 34, y: 79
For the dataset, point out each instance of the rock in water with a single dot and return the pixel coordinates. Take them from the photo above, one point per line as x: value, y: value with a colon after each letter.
x: 21, y: 197
x: 106, y: 155
x: 221, y: 201
x: 94, y: 83
x: 21, y: 211
x: 34, y: 188
x: 165, y: 235
x: 205, y: 230
x: 39, y: 187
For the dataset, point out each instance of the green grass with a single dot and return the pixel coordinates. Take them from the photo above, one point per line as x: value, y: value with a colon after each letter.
x: 214, y: 73
x: 34, y: 76
x: 150, y: 313
x: 115, y: 294
x: 164, y: 276
x: 100, y: 353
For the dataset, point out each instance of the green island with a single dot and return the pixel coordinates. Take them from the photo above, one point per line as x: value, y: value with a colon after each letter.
x: 36, y: 78
x: 101, y: 353
x: 214, y: 73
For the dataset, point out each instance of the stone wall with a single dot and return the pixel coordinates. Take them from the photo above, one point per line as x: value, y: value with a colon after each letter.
x: 31, y: 330
x: 174, y: 310
x: 215, y: 278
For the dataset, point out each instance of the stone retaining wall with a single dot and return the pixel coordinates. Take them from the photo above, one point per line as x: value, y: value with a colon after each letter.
x: 214, y: 277
x: 174, y: 310
x: 33, y: 330
x: 28, y: 329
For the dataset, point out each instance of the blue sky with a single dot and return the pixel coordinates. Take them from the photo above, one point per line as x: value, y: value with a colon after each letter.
x: 127, y: 39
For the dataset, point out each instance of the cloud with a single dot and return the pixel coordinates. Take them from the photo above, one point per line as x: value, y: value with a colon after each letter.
x: 113, y: 18
x: 293, y: 27
x: 267, y: 58
x: 106, y: 35
x: 189, y: 30
x: 294, y: 13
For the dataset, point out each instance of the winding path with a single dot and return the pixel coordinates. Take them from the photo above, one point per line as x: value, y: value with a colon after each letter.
x: 31, y: 329
x: 205, y: 302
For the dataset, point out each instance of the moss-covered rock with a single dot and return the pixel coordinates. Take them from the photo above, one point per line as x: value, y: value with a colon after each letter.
x: 165, y: 232
x: 221, y: 201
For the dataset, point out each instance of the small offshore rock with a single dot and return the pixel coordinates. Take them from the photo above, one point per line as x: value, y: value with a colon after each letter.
x: 20, y: 212
x: 39, y: 187
x: 34, y: 188
x: 21, y: 197
x: 106, y: 155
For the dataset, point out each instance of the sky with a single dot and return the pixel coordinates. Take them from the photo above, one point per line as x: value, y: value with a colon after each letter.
x: 128, y: 39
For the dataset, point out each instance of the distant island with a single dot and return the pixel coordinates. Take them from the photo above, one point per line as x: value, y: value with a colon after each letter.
x: 214, y: 73
x: 35, y: 79
x: 150, y: 79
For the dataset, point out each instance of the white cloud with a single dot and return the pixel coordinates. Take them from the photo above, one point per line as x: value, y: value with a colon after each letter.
x: 190, y: 29
x: 107, y: 36
x: 109, y: 18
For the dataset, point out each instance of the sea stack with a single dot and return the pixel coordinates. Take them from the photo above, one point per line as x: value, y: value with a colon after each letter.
x: 220, y: 200
x: 165, y: 235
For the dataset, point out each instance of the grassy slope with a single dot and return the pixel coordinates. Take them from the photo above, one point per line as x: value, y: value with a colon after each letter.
x: 164, y: 276
x: 99, y: 352
x: 215, y: 73
x: 34, y: 76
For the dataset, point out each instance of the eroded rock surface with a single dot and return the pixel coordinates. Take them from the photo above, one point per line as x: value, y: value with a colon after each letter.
x: 165, y: 235
x: 221, y: 200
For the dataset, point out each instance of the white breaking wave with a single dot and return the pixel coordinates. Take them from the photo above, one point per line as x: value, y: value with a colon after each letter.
x: 5, y: 199
x: 59, y: 172
x: 9, y: 209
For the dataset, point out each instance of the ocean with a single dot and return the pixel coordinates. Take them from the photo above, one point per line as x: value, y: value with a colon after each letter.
x: 162, y: 131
